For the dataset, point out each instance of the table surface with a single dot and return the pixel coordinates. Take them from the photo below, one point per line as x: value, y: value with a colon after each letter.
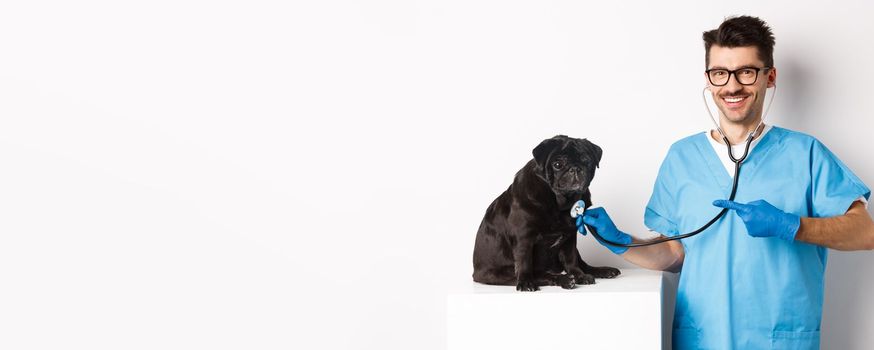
x: 631, y: 280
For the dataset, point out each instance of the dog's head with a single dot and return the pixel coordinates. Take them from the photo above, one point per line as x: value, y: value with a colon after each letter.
x: 566, y: 164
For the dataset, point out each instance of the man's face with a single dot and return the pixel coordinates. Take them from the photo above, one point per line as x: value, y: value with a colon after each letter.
x: 740, y: 103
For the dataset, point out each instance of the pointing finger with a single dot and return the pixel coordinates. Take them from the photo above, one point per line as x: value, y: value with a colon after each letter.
x: 722, y: 203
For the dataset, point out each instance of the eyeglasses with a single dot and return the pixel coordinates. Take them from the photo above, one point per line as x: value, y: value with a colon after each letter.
x: 744, y: 76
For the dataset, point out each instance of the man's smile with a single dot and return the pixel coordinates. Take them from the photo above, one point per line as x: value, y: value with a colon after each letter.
x: 735, y: 102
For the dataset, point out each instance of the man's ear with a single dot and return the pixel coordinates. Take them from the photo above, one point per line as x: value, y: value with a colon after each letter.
x: 772, y: 77
x: 544, y: 149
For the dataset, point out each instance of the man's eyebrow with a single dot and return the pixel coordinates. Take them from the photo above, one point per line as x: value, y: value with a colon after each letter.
x: 741, y: 67
x: 749, y: 66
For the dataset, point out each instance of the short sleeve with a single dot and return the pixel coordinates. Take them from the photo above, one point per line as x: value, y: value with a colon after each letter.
x: 833, y: 186
x: 659, y: 212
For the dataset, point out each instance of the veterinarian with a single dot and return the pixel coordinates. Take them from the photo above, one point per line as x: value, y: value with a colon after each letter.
x: 753, y: 280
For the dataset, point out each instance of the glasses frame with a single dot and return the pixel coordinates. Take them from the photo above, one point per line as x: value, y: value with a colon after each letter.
x: 732, y: 72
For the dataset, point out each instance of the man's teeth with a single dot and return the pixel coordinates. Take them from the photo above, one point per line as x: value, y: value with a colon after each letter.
x: 733, y: 99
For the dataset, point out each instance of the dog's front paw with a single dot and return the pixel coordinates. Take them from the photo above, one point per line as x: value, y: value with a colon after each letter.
x: 566, y: 281
x: 526, y: 286
x: 604, y: 272
x: 585, y: 279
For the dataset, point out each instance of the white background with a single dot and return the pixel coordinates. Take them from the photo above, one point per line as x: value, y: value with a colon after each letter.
x: 311, y: 175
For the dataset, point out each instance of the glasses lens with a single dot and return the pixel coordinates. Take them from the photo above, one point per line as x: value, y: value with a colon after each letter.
x: 718, y: 76
x: 746, y: 76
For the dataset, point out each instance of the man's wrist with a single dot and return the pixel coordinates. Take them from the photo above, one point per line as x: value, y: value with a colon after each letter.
x: 792, y: 227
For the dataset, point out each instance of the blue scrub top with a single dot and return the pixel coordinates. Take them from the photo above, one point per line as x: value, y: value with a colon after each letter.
x: 738, y: 291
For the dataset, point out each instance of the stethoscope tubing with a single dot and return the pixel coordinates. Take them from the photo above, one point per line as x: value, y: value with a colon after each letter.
x: 737, y: 164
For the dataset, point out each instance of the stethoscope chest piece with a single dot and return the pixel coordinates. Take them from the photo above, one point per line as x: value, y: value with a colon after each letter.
x: 578, y: 208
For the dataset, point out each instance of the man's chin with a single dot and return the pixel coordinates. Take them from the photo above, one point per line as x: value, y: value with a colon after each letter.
x: 737, y: 120
x: 738, y: 117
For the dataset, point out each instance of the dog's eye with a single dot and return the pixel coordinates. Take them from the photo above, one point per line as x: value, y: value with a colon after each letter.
x: 557, y: 165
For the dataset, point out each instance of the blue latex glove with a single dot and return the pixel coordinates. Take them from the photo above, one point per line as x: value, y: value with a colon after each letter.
x: 598, y: 219
x: 763, y: 219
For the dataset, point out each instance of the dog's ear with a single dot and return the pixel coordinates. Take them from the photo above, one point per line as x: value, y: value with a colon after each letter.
x: 597, y: 152
x: 544, y: 149
x: 590, y: 149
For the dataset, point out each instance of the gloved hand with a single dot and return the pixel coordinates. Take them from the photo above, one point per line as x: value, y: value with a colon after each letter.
x: 600, y: 221
x: 763, y: 219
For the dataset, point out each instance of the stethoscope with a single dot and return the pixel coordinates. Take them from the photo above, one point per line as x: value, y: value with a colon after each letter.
x: 580, y: 206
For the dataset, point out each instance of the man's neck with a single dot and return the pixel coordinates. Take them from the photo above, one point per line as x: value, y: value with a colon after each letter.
x: 737, y: 133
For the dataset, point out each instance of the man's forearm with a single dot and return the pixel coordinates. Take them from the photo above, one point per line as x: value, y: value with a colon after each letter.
x: 663, y: 256
x: 851, y: 231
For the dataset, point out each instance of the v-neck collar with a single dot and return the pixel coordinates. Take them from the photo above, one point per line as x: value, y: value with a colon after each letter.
x: 738, y: 149
x: 748, y: 167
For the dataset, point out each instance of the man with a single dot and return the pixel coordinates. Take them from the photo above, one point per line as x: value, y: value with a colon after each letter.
x: 753, y: 280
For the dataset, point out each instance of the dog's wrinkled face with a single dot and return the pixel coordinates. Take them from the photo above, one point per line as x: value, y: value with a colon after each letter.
x: 567, y: 164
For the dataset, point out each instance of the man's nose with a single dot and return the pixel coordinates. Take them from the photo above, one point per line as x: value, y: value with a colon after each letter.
x: 733, y: 85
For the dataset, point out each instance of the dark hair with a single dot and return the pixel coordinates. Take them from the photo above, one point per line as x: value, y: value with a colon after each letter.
x: 742, y: 31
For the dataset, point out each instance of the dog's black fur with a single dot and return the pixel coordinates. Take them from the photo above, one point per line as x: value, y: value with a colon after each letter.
x: 527, y: 236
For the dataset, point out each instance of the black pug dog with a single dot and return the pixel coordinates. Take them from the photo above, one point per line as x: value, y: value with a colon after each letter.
x: 527, y: 236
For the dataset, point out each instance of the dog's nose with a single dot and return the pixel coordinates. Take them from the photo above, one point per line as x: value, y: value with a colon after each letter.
x: 573, y: 170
